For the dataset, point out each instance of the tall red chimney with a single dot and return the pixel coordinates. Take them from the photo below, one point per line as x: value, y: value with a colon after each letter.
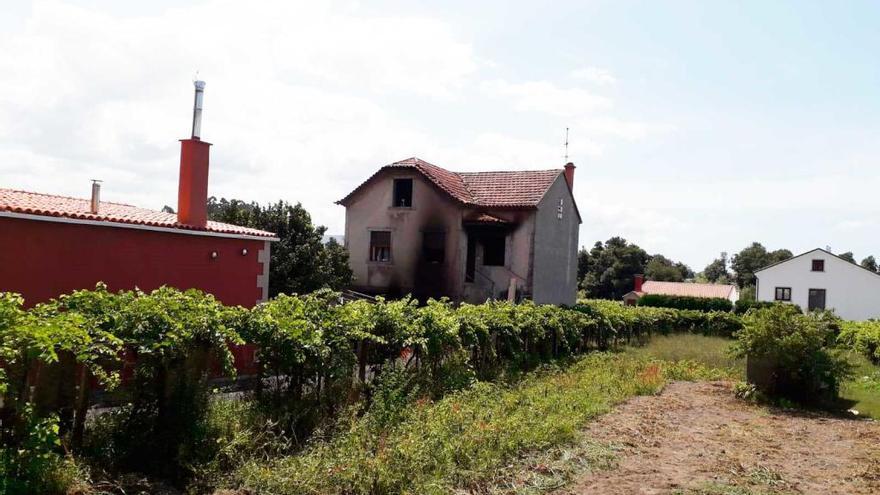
x: 569, y: 175
x: 192, y: 193
x: 638, y: 281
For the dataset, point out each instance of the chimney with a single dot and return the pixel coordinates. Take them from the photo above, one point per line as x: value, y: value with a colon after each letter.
x: 96, y: 197
x: 638, y: 281
x: 192, y: 193
x: 569, y: 175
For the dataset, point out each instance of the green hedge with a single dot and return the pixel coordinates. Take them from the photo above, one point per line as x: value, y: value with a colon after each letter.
x: 686, y: 302
x: 166, y: 343
x: 634, y: 322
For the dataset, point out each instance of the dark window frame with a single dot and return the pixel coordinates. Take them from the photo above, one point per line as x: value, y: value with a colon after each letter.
x: 818, y: 263
x: 380, y: 252
x: 402, y: 193
x: 777, y: 297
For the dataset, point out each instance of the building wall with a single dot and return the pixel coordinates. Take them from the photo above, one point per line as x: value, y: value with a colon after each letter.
x: 432, y: 210
x: 853, y: 292
x: 556, y: 243
x: 43, y: 259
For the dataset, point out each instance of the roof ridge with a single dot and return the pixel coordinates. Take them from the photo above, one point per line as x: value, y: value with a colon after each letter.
x: 71, y: 197
x: 510, y: 171
x: 57, y: 206
x: 418, y: 161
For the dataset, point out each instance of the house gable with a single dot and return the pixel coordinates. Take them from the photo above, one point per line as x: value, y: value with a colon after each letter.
x: 851, y: 290
x: 557, y: 223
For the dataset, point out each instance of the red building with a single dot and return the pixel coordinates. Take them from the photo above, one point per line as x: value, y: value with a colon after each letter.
x: 51, y: 245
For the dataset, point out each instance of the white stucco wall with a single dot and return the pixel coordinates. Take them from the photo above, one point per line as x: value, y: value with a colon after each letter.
x: 852, y: 291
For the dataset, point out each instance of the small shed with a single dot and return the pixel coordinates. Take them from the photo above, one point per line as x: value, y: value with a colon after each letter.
x: 686, y: 289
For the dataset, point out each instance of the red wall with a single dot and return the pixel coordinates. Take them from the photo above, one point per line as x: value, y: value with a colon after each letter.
x: 41, y: 260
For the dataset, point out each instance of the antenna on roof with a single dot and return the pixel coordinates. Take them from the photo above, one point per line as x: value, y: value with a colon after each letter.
x: 566, y: 145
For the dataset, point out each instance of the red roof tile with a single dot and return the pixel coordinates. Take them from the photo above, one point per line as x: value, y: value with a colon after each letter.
x: 687, y: 289
x: 76, y: 208
x: 515, y: 189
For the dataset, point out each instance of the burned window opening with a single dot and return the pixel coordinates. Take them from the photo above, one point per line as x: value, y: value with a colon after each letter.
x: 493, y: 249
x: 380, y: 246
x: 471, y: 265
x: 403, y: 189
x: 434, y: 247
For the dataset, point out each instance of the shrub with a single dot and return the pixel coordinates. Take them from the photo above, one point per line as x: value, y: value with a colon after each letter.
x: 789, y: 354
x: 686, y: 302
x: 862, y: 337
x: 743, y: 305
x: 33, y: 464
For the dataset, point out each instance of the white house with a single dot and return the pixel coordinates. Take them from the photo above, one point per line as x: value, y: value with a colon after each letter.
x: 818, y: 279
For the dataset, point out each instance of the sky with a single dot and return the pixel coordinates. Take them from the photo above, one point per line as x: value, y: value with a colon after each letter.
x: 696, y: 127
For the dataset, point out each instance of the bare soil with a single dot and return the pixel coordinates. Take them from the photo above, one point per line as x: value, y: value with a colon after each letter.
x: 697, y: 438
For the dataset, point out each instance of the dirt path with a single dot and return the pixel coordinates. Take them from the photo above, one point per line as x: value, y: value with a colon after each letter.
x: 696, y: 438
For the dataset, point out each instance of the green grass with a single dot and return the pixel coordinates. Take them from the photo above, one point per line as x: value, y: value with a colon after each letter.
x: 708, y: 351
x: 864, y: 388
x: 470, y: 439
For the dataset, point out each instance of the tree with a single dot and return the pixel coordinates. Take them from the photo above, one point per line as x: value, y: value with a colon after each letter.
x: 716, y: 271
x: 612, y: 267
x: 660, y: 267
x: 870, y: 263
x: 753, y: 258
x: 583, y: 263
x: 300, y: 262
x: 848, y: 256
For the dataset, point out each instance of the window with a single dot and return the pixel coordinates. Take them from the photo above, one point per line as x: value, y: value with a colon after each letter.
x: 380, y: 246
x: 783, y: 294
x: 433, y: 247
x: 816, y: 299
x: 403, y: 193
x: 493, y: 250
x: 818, y: 265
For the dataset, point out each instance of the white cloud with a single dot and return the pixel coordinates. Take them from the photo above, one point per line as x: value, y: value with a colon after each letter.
x: 292, y: 100
x: 547, y: 97
x: 623, y: 129
x: 595, y: 75
x: 303, y: 101
x: 496, y: 151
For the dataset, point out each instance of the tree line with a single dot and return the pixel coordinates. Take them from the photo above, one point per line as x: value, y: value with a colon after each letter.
x: 608, y: 269
x: 300, y: 261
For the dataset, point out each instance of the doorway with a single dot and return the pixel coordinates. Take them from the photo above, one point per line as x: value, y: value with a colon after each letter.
x: 816, y: 300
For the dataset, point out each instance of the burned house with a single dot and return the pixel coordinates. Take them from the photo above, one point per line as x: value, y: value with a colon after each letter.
x: 417, y: 228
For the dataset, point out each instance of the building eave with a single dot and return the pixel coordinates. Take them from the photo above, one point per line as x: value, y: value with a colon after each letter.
x: 133, y: 226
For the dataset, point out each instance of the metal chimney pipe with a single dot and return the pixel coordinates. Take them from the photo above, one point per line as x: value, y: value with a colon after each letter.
x: 197, y: 109
x: 96, y: 196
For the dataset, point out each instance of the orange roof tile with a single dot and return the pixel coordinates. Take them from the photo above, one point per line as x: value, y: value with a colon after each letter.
x: 687, y: 289
x: 513, y: 189
x: 76, y: 208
